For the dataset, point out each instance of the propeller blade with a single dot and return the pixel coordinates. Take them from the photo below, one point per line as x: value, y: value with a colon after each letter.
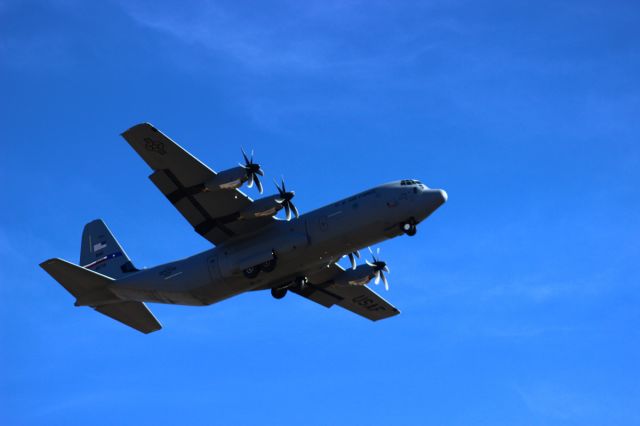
x: 244, y: 154
x: 287, y: 209
x: 370, y: 264
x: 384, y: 280
x: 386, y: 269
x: 260, y: 172
x: 295, y: 210
x: 250, y: 184
x: 352, y: 259
x: 377, y: 274
x: 258, y: 183
x: 357, y: 253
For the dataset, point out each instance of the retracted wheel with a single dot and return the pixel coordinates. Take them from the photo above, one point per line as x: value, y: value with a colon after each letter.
x: 278, y: 293
x: 269, y: 265
x: 251, y: 272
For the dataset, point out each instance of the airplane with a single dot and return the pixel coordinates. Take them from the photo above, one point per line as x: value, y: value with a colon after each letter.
x: 254, y: 249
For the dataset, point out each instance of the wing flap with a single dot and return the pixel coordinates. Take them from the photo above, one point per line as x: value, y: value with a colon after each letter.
x: 319, y: 296
x: 181, y: 178
x: 360, y: 300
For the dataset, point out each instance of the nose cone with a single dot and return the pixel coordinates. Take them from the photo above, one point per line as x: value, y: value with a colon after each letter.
x: 428, y: 202
x: 443, y: 196
x: 436, y: 198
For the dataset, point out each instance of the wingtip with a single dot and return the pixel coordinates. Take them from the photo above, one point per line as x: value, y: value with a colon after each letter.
x: 143, y: 125
x: 153, y: 331
x: 48, y: 261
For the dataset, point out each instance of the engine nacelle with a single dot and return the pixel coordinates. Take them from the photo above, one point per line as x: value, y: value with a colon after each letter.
x: 227, y: 179
x: 267, y: 206
x: 359, y: 276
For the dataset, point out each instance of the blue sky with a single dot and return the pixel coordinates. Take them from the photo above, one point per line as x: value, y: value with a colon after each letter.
x: 519, y: 296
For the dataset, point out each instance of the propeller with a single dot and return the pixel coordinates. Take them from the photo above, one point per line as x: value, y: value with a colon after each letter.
x: 285, y: 200
x: 253, y: 170
x: 379, y: 268
x: 352, y: 258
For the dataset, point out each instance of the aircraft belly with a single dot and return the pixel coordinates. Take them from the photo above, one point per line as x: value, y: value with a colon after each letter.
x: 156, y: 296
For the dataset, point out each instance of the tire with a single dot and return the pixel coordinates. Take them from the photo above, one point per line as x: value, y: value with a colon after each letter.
x: 269, y: 265
x: 251, y: 272
x: 409, y: 228
x: 278, y: 293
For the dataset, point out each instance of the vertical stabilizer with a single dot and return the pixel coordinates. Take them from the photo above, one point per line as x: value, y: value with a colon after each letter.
x: 100, y: 251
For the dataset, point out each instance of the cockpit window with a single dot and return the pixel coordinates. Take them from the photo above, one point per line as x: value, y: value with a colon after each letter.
x: 409, y: 182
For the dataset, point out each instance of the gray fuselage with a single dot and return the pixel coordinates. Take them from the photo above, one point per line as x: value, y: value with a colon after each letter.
x: 300, y: 247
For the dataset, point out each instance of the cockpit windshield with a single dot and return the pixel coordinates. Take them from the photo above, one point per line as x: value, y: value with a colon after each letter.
x: 414, y: 183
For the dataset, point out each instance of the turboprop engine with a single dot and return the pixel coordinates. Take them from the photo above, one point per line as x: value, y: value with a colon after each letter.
x: 362, y: 274
x: 235, y: 177
x: 268, y: 206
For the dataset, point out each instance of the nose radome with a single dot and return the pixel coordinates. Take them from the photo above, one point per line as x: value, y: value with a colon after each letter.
x: 444, y: 195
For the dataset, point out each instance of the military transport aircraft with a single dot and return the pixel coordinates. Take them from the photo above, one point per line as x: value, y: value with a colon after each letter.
x: 254, y: 250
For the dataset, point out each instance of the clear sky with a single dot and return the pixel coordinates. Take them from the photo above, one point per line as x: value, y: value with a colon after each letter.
x: 519, y: 297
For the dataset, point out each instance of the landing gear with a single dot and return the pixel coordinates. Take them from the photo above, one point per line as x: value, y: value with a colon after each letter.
x: 251, y: 272
x: 410, y: 228
x: 269, y: 265
x: 278, y: 293
x: 301, y: 283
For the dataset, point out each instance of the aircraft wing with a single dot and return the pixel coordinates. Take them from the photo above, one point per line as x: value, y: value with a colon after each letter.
x: 181, y: 177
x: 358, y: 299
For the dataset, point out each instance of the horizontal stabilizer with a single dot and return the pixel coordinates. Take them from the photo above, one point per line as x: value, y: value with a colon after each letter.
x: 77, y: 280
x: 91, y: 288
x: 134, y: 314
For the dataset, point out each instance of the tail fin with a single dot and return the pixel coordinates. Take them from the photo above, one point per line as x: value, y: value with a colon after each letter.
x: 101, y: 252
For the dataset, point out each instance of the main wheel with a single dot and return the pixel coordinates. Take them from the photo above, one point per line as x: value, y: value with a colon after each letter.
x: 409, y: 228
x: 278, y: 293
x: 251, y: 272
x: 269, y: 265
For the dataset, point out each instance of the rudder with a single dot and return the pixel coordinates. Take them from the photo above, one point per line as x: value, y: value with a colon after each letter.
x: 101, y: 252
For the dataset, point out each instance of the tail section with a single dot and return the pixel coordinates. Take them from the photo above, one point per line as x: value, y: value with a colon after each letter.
x: 101, y: 252
x: 92, y: 289
x: 104, y: 262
